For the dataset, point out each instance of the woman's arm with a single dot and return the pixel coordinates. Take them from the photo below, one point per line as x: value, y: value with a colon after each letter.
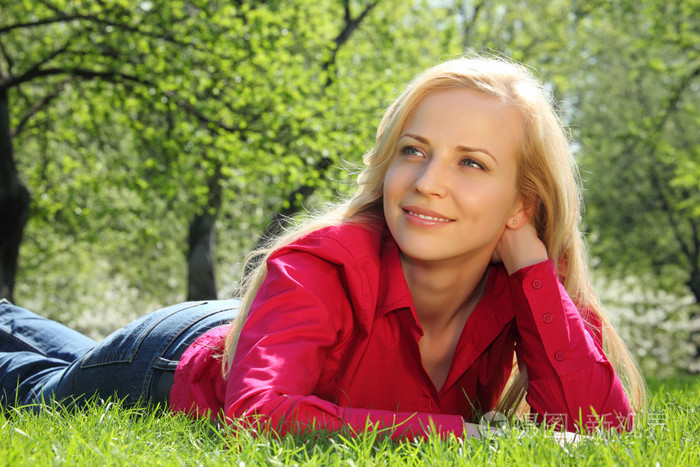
x: 570, y: 379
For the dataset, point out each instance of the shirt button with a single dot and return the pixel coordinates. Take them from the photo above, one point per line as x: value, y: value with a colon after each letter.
x: 559, y: 356
x: 536, y: 284
x: 547, y: 318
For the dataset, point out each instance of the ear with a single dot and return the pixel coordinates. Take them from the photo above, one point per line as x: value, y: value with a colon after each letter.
x: 521, y: 215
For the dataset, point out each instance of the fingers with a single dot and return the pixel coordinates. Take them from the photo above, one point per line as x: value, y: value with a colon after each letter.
x: 520, y: 247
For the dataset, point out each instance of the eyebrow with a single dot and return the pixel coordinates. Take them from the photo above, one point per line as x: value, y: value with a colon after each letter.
x: 460, y: 148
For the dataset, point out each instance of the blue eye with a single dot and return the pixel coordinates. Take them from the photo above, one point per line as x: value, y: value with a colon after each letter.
x: 411, y: 151
x: 469, y: 162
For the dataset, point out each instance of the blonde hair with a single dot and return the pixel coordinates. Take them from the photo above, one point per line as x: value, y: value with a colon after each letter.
x: 547, y: 180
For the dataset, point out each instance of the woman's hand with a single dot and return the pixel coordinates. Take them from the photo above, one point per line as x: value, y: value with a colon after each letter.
x: 520, y: 247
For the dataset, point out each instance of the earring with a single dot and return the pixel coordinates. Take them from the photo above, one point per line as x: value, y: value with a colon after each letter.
x: 515, y: 222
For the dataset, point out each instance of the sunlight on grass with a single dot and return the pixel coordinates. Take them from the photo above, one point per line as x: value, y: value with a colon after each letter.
x: 107, y: 433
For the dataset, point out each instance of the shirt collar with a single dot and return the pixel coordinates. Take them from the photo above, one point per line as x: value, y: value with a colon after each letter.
x: 393, y: 293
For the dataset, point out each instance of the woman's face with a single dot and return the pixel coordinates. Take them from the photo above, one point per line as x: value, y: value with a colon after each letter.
x: 451, y: 187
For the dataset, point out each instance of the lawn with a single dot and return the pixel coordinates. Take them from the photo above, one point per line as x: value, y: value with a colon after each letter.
x: 107, y: 434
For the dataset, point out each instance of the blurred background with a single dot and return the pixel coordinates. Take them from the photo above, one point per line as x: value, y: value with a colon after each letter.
x: 147, y: 146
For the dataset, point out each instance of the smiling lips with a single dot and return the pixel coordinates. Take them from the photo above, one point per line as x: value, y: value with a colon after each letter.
x: 426, y: 215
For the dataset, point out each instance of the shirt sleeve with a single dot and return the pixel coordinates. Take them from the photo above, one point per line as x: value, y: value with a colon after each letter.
x: 570, y: 381
x: 300, y: 318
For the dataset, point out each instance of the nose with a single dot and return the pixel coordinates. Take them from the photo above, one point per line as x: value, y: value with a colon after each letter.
x: 431, y: 180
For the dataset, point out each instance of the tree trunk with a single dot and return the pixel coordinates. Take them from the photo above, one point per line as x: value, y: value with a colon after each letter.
x: 14, y: 205
x: 201, y: 281
x: 275, y: 226
x: 201, y: 278
x: 694, y: 285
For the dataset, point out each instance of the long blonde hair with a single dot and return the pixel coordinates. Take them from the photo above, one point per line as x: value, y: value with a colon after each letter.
x: 547, y: 180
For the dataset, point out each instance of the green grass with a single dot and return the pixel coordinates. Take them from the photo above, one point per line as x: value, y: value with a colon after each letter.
x: 108, y: 434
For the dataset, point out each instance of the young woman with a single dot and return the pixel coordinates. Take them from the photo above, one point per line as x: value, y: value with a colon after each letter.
x: 454, y: 282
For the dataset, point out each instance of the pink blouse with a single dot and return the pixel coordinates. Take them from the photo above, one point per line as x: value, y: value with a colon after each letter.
x: 331, y: 342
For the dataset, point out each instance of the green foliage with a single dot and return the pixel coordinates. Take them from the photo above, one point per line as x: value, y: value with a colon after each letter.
x: 127, y: 115
x: 636, y: 115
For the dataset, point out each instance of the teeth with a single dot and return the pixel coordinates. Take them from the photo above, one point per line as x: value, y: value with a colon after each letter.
x: 428, y: 218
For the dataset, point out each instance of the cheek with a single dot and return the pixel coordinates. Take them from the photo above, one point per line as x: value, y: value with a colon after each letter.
x: 495, y: 203
x: 387, y: 189
x: 392, y: 182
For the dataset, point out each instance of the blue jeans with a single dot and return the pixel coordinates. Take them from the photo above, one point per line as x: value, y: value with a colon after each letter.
x: 42, y: 360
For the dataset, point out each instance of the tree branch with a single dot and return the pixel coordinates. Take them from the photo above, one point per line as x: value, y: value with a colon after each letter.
x: 306, y: 189
x: 670, y: 107
x: 41, y: 22
x: 77, y: 72
x: 668, y: 209
x: 10, y: 82
x: 303, y: 190
x: 675, y: 98
x: 64, y: 18
x: 351, y: 24
x: 8, y: 61
x: 34, y: 109
x: 469, y: 22
x: 112, y: 76
x: 50, y: 6
x: 657, y: 127
x: 202, y: 118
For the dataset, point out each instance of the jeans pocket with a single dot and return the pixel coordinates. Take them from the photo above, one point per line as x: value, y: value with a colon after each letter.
x: 123, y: 345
